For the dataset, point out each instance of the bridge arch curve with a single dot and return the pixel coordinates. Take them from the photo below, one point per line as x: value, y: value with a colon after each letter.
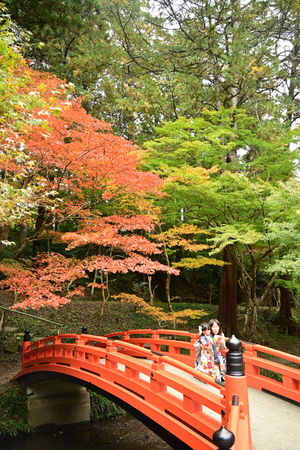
x: 37, y: 377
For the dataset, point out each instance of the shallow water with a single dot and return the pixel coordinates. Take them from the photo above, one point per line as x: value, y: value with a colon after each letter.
x: 125, y: 433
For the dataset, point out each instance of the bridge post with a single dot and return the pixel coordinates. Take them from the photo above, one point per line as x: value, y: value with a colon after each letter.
x: 223, y: 438
x: 26, y: 336
x: 236, y: 387
x: 155, y: 346
x: 26, y: 344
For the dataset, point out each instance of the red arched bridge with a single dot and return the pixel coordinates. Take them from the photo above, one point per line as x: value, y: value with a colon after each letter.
x: 142, y: 371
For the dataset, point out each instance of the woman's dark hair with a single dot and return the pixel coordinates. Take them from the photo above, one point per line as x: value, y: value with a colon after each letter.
x: 212, y: 322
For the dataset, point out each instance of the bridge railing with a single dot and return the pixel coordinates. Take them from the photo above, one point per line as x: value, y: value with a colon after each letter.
x: 263, y: 373
x: 100, y: 357
x: 82, y: 347
x: 179, y: 345
x: 175, y: 343
x: 277, y: 373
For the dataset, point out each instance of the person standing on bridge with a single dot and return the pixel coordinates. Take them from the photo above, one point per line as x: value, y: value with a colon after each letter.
x: 205, y: 351
x: 219, y: 340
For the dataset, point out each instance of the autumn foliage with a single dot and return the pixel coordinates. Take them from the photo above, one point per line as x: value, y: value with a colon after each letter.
x: 78, y: 187
x: 43, y: 281
x: 158, y: 314
x: 74, y: 167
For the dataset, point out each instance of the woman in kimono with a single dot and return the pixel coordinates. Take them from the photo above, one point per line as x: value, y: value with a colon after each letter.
x: 220, y: 343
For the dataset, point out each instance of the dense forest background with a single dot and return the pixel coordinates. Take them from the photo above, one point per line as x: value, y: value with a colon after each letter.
x: 151, y: 149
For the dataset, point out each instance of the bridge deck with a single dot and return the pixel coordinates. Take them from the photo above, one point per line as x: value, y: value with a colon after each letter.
x: 275, y: 423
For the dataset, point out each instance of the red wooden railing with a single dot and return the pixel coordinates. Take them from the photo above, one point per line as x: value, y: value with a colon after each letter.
x: 287, y: 383
x: 150, y: 385
x: 288, y: 386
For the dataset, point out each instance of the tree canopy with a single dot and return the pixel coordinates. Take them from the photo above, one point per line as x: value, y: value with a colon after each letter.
x: 149, y: 136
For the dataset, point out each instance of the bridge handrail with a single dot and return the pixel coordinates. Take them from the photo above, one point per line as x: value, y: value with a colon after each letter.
x: 289, y: 387
x: 53, y: 338
x: 157, y: 340
x: 155, y: 333
x: 249, y: 346
x: 157, y: 357
x: 271, y: 351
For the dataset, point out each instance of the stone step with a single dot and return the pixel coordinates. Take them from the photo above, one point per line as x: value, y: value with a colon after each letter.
x: 11, y: 330
x: 37, y: 338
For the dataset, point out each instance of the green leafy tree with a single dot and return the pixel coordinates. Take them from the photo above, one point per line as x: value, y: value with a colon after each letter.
x: 64, y: 36
x: 182, y: 240
x: 252, y: 211
x: 209, y: 197
x: 262, y: 147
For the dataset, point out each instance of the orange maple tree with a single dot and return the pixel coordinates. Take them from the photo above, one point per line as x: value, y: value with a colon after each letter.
x: 25, y: 96
x: 49, y: 279
x: 43, y: 281
x: 78, y: 168
x: 80, y: 163
x: 126, y: 250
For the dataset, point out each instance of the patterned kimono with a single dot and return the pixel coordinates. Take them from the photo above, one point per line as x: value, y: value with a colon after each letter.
x: 220, y: 366
x: 205, y: 356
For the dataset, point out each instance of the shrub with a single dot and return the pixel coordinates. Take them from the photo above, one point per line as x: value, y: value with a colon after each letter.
x: 102, y: 408
x: 13, y: 412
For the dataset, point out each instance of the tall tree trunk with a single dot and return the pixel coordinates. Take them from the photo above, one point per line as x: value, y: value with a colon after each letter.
x: 105, y: 295
x: 2, y: 322
x: 285, y: 301
x: 95, y: 279
x: 40, y: 218
x: 293, y: 78
x: 227, y: 314
x: 4, y: 231
x: 250, y: 326
x: 23, y: 232
x: 151, y: 293
x: 38, y: 225
x: 168, y: 282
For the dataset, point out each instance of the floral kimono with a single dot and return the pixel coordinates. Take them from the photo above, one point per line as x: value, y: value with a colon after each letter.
x: 220, y: 366
x: 205, y: 356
